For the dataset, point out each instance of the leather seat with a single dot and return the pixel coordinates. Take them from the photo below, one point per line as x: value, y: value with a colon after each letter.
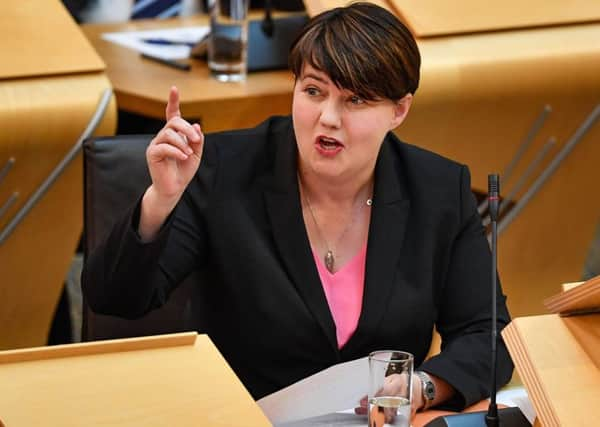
x: 115, y: 177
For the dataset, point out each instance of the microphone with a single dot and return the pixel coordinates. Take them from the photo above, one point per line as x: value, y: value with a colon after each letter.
x: 506, y: 417
x: 267, y: 25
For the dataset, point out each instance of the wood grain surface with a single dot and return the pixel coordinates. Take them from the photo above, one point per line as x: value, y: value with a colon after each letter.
x: 32, y: 29
x: 40, y: 120
x: 186, y: 383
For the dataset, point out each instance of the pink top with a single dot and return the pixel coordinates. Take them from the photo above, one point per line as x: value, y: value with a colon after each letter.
x: 344, y: 292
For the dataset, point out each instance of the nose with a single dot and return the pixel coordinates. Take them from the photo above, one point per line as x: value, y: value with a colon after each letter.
x: 331, y: 114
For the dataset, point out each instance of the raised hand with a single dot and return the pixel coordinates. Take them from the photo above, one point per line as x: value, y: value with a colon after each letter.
x: 173, y: 158
x: 174, y: 154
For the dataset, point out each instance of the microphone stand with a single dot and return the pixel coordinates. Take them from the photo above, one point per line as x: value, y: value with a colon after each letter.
x: 506, y: 417
x: 491, y: 419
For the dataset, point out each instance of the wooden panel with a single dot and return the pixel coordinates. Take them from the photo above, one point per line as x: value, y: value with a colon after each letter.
x: 428, y: 18
x: 581, y: 298
x: 40, y: 120
x: 100, y: 347
x: 437, y: 17
x: 586, y: 330
x: 183, y: 383
x: 478, y: 99
x: 314, y: 7
x: 562, y: 381
x: 41, y: 38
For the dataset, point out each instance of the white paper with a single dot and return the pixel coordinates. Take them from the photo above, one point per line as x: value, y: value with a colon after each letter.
x: 517, y: 396
x: 336, y: 419
x: 334, y: 389
x: 134, y: 40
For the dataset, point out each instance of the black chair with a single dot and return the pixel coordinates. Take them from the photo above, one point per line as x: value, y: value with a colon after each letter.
x: 115, y: 177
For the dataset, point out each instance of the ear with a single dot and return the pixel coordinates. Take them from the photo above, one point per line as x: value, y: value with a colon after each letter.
x: 401, y: 108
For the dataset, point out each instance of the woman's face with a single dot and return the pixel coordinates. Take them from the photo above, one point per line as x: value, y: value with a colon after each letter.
x: 339, y: 134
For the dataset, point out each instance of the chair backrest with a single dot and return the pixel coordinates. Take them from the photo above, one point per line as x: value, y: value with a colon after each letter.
x: 115, y: 177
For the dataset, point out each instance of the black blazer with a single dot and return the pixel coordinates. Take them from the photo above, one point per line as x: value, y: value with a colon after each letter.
x: 240, y: 224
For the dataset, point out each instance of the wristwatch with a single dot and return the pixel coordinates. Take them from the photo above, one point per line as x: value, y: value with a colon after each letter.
x: 427, y: 389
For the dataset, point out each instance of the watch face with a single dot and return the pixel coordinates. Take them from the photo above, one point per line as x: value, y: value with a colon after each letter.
x: 429, y: 391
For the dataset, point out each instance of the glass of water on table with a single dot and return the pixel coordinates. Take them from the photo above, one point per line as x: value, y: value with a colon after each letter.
x: 228, y: 45
x: 390, y: 391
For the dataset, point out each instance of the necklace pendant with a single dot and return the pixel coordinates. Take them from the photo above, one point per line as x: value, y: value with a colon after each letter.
x: 329, y: 261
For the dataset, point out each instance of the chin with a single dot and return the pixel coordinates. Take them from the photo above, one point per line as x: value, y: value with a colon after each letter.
x: 328, y: 169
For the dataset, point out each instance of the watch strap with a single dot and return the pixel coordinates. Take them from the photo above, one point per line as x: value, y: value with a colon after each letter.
x: 427, y: 389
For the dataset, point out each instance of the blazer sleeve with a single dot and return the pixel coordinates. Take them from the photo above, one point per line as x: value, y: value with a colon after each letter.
x: 126, y: 277
x: 464, y: 313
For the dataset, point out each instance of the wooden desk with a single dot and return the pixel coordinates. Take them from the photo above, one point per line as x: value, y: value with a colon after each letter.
x: 166, y: 380
x: 177, y: 379
x: 558, y: 359
x: 142, y: 86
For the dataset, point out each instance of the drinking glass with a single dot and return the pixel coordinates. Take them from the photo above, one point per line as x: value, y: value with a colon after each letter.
x: 390, y: 391
x: 228, y: 46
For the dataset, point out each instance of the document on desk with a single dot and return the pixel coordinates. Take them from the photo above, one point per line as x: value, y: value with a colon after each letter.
x: 167, y: 43
x: 335, y: 389
x: 517, y: 396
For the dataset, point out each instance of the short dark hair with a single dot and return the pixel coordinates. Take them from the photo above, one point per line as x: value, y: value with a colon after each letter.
x: 361, y: 47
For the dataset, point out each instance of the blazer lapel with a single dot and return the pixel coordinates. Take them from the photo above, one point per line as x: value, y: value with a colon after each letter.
x: 389, y: 217
x: 289, y: 232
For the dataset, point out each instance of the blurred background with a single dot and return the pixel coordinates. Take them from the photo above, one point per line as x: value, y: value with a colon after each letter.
x: 511, y: 88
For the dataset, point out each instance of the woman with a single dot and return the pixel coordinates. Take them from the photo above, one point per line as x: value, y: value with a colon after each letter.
x: 321, y: 237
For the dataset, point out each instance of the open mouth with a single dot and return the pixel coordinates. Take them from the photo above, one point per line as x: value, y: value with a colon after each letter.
x: 329, y: 144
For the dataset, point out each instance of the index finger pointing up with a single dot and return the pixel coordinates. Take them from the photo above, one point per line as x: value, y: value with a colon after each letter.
x: 172, y: 109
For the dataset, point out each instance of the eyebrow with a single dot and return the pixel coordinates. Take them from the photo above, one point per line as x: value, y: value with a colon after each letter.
x: 314, y: 76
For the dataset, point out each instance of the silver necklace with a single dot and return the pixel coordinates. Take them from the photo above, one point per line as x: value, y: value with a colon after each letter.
x: 329, y: 258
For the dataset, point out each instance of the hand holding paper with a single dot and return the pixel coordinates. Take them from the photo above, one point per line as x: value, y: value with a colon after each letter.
x: 335, y: 389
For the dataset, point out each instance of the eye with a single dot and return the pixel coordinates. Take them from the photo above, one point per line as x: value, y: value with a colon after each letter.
x: 312, y: 91
x: 356, y: 100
